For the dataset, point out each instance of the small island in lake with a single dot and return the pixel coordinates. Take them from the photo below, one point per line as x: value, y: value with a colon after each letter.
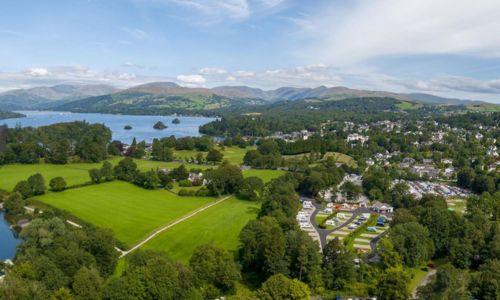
x: 176, y: 121
x: 127, y: 127
x: 159, y: 125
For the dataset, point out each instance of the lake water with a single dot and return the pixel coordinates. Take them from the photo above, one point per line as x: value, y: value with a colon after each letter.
x: 142, y: 126
x: 8, y: 241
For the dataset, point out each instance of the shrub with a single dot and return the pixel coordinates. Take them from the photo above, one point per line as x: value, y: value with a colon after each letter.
x: 57, y: 184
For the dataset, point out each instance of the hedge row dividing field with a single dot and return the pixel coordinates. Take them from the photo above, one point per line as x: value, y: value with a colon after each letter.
x: 75, y: 174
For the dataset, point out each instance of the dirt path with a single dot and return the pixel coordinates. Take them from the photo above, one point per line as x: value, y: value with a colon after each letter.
x: 424, y: 282
x: 170, y: 225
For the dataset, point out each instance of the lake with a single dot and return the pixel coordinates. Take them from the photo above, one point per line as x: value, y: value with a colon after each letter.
x: 8, y: 241
x: 142, y: 126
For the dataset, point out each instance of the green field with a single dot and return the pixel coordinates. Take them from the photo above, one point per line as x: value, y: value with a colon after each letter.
x: 341, y: 158
x: 405, y: 105
x: 220, y: 224
x: 232, y: 154
x: 129, y: 211
x: 265, y: 175
x: 74, y: 174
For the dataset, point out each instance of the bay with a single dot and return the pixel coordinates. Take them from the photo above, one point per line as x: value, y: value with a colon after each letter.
x: 142, y: 126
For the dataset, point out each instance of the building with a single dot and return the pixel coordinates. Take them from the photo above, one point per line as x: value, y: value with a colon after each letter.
x: 382, y: 208
x: 425, y: 170
x: 357, y: 137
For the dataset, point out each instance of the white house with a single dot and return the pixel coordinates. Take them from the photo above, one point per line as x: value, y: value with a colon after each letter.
x: 380, y: 207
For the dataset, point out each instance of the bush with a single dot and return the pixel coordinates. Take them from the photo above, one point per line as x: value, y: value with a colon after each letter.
x: 57, y: 184
x: 203, y: 192
x: 185, y: 183
x: 184, y: 192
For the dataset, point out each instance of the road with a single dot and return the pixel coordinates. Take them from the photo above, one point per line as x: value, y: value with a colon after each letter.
x: 170, y: 225
x: 323, y: 233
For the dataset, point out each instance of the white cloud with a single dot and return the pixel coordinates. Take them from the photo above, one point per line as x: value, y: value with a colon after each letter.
x: 452, y: 83
x: 212, y: 71
x: 192, y: 79
x: 244, y: 73
x: 230, y: 78
x: 369, y: 29
x: 38, y: 72
x: 234, y: 9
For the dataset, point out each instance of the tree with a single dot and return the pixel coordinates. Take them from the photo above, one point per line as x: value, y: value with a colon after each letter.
x: 251, y: 188
x: 95, y: 175
x: 338, y: 265
x: 107, y: 171
x: 281, y: 287
x: 483, y: 183
x: 485, y: 284
x: 376, y: 179
x: 389, y: 258
x: 215, y: 267
x: 23, y: 188
x: 393, y: 285
x: 57, y: 184
x: 62, y: 294
x: 58, y: 152
x: 401, y: 216
x: 465, y: 177
x: 115, y: 148
x: 14, y: 204
x: 151, y: 275
x: 351, y: 191
x: 37, y: 184
x: 449, y: 283
x: 87, y: 284
x: 199, y: 158
x: 263, y: 247
x: 161, y: 150
x: 226, y: 179
x: 303, y: 257
x: 180, y: 173
x: 412, y: 241
x: 126, y: 170
x: 148, y: 180
x: 214, y: 155
x: 268, y: 146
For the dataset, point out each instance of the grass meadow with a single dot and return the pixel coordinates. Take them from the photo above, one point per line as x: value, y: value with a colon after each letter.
x: 220, y: 224
x: 129, y: 211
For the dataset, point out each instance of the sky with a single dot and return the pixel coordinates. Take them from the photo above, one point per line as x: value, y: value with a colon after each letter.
x: 449, y: 48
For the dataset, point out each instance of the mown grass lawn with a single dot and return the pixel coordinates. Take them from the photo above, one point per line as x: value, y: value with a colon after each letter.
x: 265, y: 175
x: 129, y: 211
x: 220, y: 224
x: 232, y: 154
x: 10, y: 175
x: 75, y: 173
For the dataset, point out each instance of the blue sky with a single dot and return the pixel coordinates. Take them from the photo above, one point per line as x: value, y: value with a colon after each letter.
x: 445, y: 47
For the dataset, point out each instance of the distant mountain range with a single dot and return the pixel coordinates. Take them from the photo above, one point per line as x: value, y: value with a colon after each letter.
x: 45, y: 97
x: 168, y: 97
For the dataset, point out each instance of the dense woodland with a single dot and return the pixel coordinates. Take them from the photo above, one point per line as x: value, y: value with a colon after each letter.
x: 10, y: 114
x: 57, y: 143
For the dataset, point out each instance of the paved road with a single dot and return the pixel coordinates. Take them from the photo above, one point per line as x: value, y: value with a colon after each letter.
x: 180, y: 220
